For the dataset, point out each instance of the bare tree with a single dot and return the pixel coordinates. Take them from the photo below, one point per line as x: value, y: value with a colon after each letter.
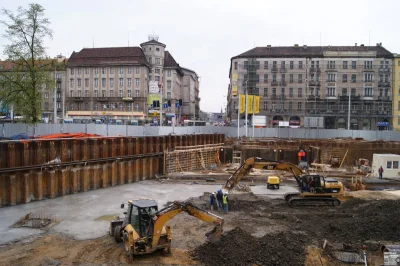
x: 26, y: 76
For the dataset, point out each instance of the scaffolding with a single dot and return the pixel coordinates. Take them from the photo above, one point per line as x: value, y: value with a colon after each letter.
x: 184, y: 159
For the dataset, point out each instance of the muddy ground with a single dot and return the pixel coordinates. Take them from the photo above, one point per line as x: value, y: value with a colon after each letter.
x: 258, y: 231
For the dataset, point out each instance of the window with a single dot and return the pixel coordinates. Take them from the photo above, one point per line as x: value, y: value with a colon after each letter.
x: 120, y: 106
x: 129, y: 82
x: 121, y: 70
x: 344, y: 64
x: 86, y: 82
x: 353, y: 64
x: 121, y: 82
x: 111, y: 93
x: 367, y: 64
x: 266, y: 94
x: 87, y: 71
x: 103, y: 71
x: 158, y: 61
x: 58, y: 86
x: 103, y: 93
x: 71, y: 93
x: 331, y: 64
x: 137, y: 70
x: 137, y: 107
x: 257, y: 77
x: 299, y: 106
x: 235, y: 66
x: 283, y: 91
x: 290, y: 106
x: 103, y: 82
x: 386, y: 92
x: 265, y: 106
x: 137, y: 81
x: 111, y: 70
x: 386, y: 78
x: 344, y: 92
x: 246, y: 64
x: 129, y: 93
x: 121, y: 93
x: 258, y: 64
x: 283, y: 77
x: 136, y: 93
x: 256, y: 91
x: 129, y: 70
x: 169, y: 73
x: 169, y: 84
x: 273, y: 106
x: 157, y: 71
x: 266, y: 64
x: 300, y: 64
x: 156, y: 78
x: 46, y: 95
x: 95, y: 107
x: 367, y: 92
x: 71, y: 83
x: 353, y: 78
x: 168, y: 95
x: 331, y: 77
x: 72, y: 72
x: 299, y: 92
x: 389, y: 164
x: 395, y: 164
x: 330, y: 92
x: 273, y: 77
x: 291, y: 78
x: 300, y: 78
x: 79, y: 83
x: 265, y: 78
x: 96, y: 70
x: 274, y: 92
x: 291, y: 64
x: 283, y: 64
x: 86, y: 93
x: 111, y: 82
x: 368, y: 77
x: 344, y: 78
x: 290, y: 92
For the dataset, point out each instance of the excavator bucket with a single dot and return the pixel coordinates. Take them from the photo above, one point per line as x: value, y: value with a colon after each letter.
x: 215, y: 234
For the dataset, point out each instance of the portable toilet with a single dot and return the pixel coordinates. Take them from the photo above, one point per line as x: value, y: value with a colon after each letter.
x: 389, y: 163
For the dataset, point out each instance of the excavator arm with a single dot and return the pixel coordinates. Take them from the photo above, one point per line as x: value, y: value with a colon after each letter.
x: 167, y: 213
x: 261, y: 163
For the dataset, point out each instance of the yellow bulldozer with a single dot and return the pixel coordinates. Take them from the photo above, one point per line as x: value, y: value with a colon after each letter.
x: 143, y: 229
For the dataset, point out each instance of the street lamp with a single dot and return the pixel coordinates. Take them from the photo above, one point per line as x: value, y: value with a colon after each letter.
x: 348, y: 115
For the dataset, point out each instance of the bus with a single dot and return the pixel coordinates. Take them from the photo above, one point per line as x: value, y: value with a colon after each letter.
x: 191, y: 123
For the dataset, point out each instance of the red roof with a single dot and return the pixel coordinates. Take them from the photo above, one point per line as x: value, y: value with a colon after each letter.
x: 108, y: 56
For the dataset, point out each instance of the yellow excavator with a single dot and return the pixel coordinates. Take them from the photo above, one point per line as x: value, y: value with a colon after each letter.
x: 314, y: 189
x: 143, y: 231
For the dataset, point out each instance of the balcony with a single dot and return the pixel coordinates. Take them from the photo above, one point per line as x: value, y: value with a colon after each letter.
x: 314, y: 83
x: 102, y: 99
x: 128, y: 99
x: 383, y: 98
x: 313, y: 97
x: 78, y: 99
x: 282, y: 97
x: 58, y: 80
x: 384, y: 70
x: 274, y: 69
x: 282, y: 83
x: 274, y: 83
x: 300, y: 81
x: 383, y: 84
x: 353, y: 97
x: 274, y: 97
x: 315, y: 70
x: 283, y: 70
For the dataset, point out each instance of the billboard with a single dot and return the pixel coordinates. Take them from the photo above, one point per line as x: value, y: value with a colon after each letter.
x: 153, y: 87
x: 234, y: 84
x: 153, y: 97
x: 251, y: 100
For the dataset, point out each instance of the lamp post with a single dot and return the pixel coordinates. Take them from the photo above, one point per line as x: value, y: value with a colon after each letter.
x: 348, y: 115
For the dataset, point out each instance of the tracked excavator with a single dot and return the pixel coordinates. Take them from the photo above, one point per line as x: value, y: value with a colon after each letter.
x: 143, y: 229
x: 314, y: 189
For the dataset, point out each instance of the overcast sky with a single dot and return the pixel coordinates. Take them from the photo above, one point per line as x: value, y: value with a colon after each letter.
x: 204, y: 34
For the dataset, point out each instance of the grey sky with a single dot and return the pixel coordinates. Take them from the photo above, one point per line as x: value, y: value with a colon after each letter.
x: 203, y: 35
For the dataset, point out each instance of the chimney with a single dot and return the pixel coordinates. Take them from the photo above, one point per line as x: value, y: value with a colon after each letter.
x: 362, y: 45
x: 305, y: 46
x: 269, y: 46
x: 296, y: 45
x: 355, y: 44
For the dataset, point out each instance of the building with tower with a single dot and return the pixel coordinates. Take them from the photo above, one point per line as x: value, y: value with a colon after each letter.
x: 123, y: 85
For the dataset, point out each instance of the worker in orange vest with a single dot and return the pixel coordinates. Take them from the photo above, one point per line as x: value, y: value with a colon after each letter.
x: 299, y: 155
x: 303, y: 155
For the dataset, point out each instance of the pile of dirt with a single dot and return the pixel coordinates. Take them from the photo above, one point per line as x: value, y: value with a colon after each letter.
x: 237, y: 247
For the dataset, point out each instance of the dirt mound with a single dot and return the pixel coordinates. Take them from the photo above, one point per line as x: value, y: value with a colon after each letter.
x: 237, y: 247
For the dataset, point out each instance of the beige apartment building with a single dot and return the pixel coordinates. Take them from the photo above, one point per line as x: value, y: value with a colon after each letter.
x: 122, y: 83
x: 297, y: 82
x: 396, y: 92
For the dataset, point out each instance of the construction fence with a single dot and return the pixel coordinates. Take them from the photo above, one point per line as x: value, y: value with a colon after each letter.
x: 8, y: 130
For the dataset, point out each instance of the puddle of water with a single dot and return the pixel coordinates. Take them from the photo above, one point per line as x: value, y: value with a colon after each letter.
x: 106, y: 217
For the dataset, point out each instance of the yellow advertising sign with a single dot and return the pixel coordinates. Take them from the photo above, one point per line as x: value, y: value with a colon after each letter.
x: 234, y: 90
x: 250, y: 104
x: 242, y: 100
x: 256, y: 104
x: 234, y: 76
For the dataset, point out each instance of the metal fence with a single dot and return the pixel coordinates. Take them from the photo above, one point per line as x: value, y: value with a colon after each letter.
x: 8, y: 130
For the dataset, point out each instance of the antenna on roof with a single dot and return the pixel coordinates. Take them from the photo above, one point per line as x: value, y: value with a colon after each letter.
x: 153, y: 37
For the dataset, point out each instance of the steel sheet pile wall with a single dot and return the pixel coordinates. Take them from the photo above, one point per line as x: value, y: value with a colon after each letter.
x: 86, y: 164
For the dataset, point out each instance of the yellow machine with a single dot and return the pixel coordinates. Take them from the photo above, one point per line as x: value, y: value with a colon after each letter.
x: 273, y: 182
x: 313, y: 189
x: 143, y: 230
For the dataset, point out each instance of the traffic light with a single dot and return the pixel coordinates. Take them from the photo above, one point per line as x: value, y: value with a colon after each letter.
x: 154, y: 104
x: 180, y: 102
x: 169, y: 103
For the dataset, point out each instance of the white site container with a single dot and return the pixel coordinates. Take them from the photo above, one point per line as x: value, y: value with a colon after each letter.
x: 390, y: 164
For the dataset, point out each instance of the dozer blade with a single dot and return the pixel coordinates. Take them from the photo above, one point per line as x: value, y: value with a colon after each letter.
x: 215, y: 234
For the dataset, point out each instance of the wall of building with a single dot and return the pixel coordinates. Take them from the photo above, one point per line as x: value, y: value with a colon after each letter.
x: 396, y: 93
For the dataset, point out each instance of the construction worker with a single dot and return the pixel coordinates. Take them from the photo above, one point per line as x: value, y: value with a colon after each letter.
x: 225, y: 202
x: 219, y: 199
x: 299, y: 155
x: 212, y: 201
x: 380, y: 171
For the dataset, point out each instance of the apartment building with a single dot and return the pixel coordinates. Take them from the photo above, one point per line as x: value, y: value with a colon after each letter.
x: 296, y: 82
x: 123, y: 83
x: 190, y: 95
x: 396, y: 92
